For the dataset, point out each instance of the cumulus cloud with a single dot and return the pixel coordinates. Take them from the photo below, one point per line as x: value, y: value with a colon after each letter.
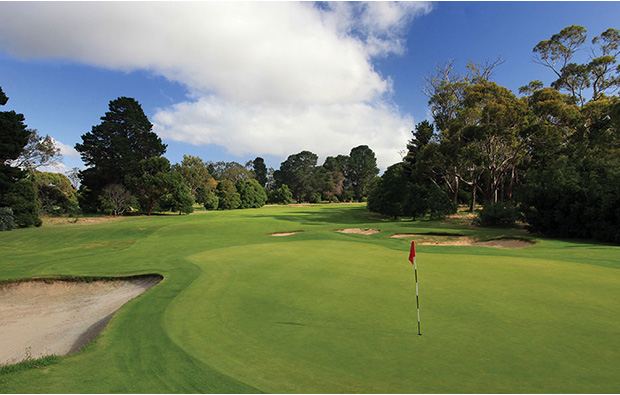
x: 262, y: 77
x: 66, y: 150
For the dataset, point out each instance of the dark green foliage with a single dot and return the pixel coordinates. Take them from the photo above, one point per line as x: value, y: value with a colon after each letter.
x: 360, y: 171
x: 211, y: 201
x: 22, y: 198
x: 13, y: 139
x: 251, y: 193
x: 390, y: 193
x: 228, y: 197
x: 280, y: 195
x: 575, y: 197
x: 156, y: 182
x: 179, y: 199
x: 7, y: 222
x: 260, y: 171
x: 114, y: 149
x: 498, y: 214
x: 298, y: 171
x: 396, y: 195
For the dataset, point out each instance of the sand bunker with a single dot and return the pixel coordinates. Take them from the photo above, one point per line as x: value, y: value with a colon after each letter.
x: 39, y: 318
x: 358, y: 231
x: 285, y: 233
x: 422, y: 239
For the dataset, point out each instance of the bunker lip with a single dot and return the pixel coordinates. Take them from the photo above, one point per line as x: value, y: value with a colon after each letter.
x: 358, y: 231
x: 424, y: 239
x: 59, y: 315
x: 280, y: 234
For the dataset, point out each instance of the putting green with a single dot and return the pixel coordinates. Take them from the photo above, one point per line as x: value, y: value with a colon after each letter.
x: 324, y: 312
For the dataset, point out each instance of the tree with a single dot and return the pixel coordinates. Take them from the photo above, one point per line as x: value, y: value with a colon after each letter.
x: 155, y: 182
x: 228, y: 197
x: 195, y: 174
x: 260, y: 171
x: 231, y: 171
x: 599, y: 75
x: 16, y: 192
x: 22, y: 199
x: 13, y: 138
x: 361, y: 170
x: 251, y: 193
x: 390, y: 192
x: 114, y: 149
x: 281, y: 195
x: 298, y: 173
x: 39, y: 151
x: 116, y: 199
x: 55, y: 193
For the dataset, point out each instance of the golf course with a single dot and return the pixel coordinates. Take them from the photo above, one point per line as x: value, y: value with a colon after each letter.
x: 318, y: 311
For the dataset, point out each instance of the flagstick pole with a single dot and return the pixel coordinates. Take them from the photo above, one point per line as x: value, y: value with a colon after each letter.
x: 417, y: 299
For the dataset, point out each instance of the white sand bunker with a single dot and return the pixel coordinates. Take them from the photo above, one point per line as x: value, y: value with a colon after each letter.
x: 422, y: 239
x: 285, y: 233
x: 39, y: 318
x: 358, y: 231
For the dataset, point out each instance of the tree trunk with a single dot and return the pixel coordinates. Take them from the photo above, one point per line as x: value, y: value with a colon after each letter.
x: 473, y: 200
x: 151, y: 204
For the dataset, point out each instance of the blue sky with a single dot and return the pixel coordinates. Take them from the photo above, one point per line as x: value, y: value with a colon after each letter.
x: 232, y: 82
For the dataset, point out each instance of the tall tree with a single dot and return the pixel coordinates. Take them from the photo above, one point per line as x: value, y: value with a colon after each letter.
x: 598, y: 75
x: 156, y: 181
x: 114, y: 149
x: 195, y: 174
x: 361, y: 170
x: 298, y: 172
x: 260, y: 171
x: 13, y: 138
x: 16, y: 192
x: 39, y: 151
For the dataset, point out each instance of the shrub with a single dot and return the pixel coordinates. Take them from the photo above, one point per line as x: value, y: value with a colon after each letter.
x: 211, y: 201
x: 282, y: 195
x: 497, y: 214
x: 22, y: 198
x: 6, y: 219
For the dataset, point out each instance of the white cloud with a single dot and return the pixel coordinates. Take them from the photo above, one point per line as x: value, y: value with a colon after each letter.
x: 264, y: 77
x: 281, y: 130
x: 66, y: 150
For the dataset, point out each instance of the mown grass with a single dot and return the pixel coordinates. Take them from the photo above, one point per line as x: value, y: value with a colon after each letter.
x: 324, y: 312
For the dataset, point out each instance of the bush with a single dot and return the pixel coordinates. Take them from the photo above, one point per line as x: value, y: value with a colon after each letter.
x: 497, y: 214
x: 7, y: 222
x: 252, y: 194
x: 22, y: 198
x: 211, y: 201
x: 282, y: 195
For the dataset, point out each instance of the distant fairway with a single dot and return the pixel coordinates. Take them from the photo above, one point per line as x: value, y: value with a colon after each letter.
x: 322, y: 312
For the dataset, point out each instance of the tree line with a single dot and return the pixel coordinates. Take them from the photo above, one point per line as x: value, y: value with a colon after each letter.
x: 126, y: 172
x: 550, y: 157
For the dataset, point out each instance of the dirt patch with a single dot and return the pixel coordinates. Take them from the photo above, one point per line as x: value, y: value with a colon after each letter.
x: 45, y: 317
x: 78, y: 221
x: 285, y: 233
x: 422, y: 239
x: 358, y: 231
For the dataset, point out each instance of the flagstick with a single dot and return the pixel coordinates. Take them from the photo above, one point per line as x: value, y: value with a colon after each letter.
x: 417, y: 299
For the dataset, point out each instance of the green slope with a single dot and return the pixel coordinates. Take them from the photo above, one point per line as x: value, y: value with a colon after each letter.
x: 324, y: 312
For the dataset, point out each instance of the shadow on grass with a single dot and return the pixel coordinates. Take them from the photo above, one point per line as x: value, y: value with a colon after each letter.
x: 329, y: 215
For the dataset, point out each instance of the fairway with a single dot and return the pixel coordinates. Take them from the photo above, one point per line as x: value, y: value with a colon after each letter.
x: 320, y: 311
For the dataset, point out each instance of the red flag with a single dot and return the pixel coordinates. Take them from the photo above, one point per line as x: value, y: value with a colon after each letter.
x: 412, y: 252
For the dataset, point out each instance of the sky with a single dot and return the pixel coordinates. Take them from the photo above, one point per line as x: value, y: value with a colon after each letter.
x: 230, y: 81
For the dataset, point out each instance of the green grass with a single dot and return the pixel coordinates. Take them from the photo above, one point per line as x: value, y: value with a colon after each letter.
x: 325, y: 312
